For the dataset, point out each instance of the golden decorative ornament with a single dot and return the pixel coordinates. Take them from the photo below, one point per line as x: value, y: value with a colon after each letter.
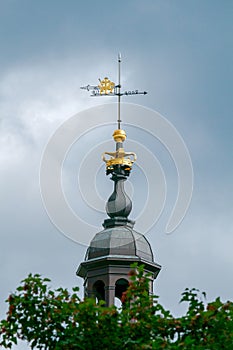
x: 120, y: 157
x: 119, y: 135
x: 106, y: 86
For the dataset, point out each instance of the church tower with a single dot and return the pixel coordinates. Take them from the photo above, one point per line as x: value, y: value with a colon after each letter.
x: 113, y: 250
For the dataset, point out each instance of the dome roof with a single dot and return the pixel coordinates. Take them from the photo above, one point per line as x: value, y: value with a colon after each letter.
x: 119, y: 241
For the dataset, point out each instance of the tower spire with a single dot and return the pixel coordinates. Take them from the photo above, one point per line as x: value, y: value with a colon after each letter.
x: 112, y: 251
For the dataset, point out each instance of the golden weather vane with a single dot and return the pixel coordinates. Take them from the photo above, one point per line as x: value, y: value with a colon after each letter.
x: 108, y: 88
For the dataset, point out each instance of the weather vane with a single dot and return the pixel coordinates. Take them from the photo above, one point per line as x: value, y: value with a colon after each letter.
x: 108, y: 88
x: 118, y: 163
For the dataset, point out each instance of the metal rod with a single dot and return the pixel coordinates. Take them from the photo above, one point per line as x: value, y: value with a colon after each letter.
x: 119, y: 91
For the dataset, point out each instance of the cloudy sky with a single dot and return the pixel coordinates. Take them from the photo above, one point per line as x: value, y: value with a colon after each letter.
x: 181, y: 53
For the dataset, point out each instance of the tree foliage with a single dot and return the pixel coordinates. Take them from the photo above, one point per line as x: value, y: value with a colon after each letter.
x: 49, y: 319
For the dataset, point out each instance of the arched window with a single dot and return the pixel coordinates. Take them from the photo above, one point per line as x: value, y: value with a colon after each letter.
x: 120, y: 287
x: 99, y: 291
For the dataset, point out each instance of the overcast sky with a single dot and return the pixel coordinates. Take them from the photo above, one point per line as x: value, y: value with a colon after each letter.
x: 181, y: 52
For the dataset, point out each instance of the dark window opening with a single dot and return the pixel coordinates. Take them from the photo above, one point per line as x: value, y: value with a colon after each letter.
x: 121, y: 286
x: 99, y: 291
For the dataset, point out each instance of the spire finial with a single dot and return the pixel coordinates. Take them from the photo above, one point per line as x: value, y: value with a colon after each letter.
x: 120, y: 158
